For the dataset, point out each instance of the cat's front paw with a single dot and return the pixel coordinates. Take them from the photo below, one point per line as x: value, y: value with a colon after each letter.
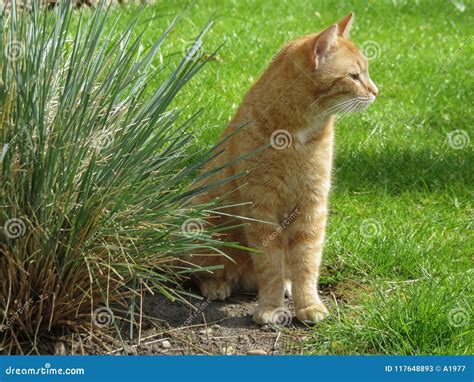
x: 215, y: 289
x: 271, y: 315
x: 313, y: 313
x: 288, y: 289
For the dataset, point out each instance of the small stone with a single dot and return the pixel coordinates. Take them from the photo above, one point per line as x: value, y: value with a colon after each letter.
x: 59, y: 348
x: 76, y: 347
x: 166, y: 344
x: 256, y: 352
x: 228, y: 350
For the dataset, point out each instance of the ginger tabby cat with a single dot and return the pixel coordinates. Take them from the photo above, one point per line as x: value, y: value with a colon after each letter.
x: 289, y: 112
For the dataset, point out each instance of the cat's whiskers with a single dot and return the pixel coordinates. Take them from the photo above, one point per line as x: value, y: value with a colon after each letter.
x: 341, y: 116
x: 345, y: 108
x: 363, y: 103
x: 328, y: 110
x: 359, y: 103
x: 338, y: 107
x: 319, y: 98
x: 353, y: 106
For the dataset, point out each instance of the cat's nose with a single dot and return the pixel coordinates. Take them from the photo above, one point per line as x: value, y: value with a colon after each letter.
x: 372, y: 88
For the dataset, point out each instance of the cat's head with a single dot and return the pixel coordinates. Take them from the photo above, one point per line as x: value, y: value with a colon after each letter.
x: 337, y: 72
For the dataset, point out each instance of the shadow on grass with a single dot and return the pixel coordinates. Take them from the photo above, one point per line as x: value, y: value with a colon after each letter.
x: 399, y: 171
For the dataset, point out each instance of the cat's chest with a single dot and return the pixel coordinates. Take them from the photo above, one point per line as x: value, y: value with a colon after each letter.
x: 309, y: 165
x: 310, y: 160
x: 313, y: 150
x: 306, y: 173
x: 315, y: 129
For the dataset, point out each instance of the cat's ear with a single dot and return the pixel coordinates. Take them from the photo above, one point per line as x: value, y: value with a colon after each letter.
x: 345, y: 25
x: 324, y: 42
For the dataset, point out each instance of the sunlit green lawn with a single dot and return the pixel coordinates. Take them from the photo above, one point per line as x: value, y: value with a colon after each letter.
x: 398, y: 258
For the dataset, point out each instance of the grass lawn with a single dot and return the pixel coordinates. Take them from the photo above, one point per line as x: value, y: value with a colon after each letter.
x: 398, y: 258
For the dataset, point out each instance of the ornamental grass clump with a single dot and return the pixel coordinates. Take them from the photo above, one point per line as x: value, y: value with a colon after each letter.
x: 95, y: 186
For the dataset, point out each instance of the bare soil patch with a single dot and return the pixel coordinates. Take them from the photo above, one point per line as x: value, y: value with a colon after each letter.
x: 217, y: 327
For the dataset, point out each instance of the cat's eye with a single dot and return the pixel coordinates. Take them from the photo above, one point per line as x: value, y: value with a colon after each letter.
x: 355, y: 76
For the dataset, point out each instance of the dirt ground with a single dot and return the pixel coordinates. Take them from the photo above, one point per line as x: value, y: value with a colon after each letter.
x: 218, y: 327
